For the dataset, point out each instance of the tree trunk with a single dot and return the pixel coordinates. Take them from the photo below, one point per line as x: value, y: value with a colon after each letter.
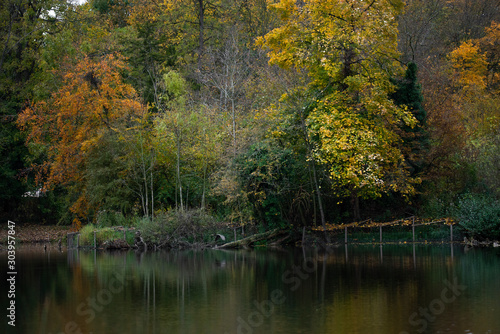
x: 355, y: 206
x: 201, y: 37
x: 204, y: 183
x: 233, y: 113
x: 179, y: 183
x: 314, y: 176
x: 152, y: 185
x: 145, y: 179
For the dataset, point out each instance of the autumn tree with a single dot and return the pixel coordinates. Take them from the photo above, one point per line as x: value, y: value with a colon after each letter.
x: 92, y: 102
x: 430, y: 29
x: 349, y: 51
x: 476, y: 82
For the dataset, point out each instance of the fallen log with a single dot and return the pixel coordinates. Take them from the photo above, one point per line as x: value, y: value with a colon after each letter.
x: 248, y: 241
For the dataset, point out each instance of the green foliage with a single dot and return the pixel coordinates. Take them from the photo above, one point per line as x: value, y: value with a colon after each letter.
x: 408, y: 94
x: 13, y: 153
x: 269, y: 175
x: 175, y: 88
x: 479, y: 215
x: 437, y: 207
x: 108, y: 218
x: 148, y: 50
x: 487, y: 159
x: 116, y: 11
x: 189, y: 143
x: 174, y: 227
x: 102, y: 234
x: 154, y: 231
x: 24, y: 28
x: 105, y: 177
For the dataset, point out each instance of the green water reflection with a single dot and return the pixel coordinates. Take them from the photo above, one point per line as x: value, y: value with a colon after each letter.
x: 354, y: 289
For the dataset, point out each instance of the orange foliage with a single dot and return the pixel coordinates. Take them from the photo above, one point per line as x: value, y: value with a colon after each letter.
x: 470, y: 65
x: 476, y: 65
x: 92, y: 101
x: 461, y: 98
x: 477, y: 62
x: 490, y: 45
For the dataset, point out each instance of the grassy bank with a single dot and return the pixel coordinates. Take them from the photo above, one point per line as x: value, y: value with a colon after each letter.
x: 173, y: 229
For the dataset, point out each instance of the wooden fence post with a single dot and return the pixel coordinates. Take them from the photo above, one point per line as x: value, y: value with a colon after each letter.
x: 380, y: 228
x: 78, y: 240
x: 95, y: 245
x: 451, y: 232
x: 345, y: 235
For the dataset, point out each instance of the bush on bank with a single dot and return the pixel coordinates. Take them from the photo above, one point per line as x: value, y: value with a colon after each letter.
x: 102, y: 234
x: 170, y: 229
x: 179, y: 228
x: 479, y: 215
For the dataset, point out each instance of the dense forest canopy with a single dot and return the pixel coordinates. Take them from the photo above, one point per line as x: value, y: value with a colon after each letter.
x: 268, y: 112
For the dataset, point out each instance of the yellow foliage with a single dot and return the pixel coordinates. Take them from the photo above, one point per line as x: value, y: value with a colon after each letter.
x: 471, y: 66
x: 476, y: 65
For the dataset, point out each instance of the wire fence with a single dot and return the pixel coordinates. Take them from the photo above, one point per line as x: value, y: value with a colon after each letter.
x: 411, y: 229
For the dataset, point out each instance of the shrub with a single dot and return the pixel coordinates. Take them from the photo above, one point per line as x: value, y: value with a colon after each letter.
x: 479, y: 215
x: 103, y: 234
x: 437, y: 207
x: 109, y: 218
x: 174, y: 227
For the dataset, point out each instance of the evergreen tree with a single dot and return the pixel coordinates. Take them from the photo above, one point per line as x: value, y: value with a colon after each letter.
x: 416, y: 139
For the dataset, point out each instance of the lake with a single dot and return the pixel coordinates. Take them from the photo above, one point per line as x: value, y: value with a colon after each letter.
x: 401, y: 288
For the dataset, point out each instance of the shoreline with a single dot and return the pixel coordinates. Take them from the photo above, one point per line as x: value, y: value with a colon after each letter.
x: 33, y: 233
x: 51, y: 234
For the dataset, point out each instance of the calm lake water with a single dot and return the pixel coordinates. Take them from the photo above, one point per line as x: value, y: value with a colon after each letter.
x: 355, y: 289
